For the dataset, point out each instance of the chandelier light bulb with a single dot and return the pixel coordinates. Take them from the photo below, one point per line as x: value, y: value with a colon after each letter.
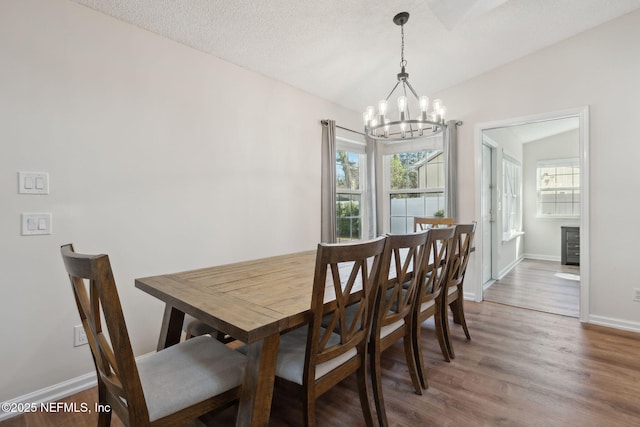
x: 402, y: 103
x: 443, y: 112
x: 424, y: 103
x: 437, y: 103
x: 402, y: 106
x: 382, y: 108
x: 369, y: 114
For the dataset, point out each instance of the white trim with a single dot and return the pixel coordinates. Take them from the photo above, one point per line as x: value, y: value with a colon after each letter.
x: 488, y: 284
x: 59, y: 391
x: 512, y: 236
x: 53, y: 393
x: 509, y: 267
x: 585, y: 239
x: 470, y: 296
x: 615, y: 323
x: 541, y: 257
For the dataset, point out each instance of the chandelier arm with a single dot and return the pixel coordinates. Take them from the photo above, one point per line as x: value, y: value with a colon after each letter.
x: 392, y: 90
x: 411, y: 88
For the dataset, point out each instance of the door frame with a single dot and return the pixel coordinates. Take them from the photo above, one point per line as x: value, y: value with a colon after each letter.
x: 486, y: 141
x: 582, y: 113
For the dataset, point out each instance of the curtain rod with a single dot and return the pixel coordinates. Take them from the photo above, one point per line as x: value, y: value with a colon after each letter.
x: 325, y: 122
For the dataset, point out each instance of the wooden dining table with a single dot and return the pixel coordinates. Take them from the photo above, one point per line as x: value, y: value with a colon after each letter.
x: 252, y: 301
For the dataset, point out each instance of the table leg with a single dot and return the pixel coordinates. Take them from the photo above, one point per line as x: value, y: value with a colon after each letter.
x: 257, y: 388
x: 171, y: 329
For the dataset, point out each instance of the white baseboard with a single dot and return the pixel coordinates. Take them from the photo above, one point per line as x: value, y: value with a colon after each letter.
x: 487, y: 285
x: 542, y: 257
x: 610, y: 322
x: 53, y: 393
x: 58, y: 391
x: 510, y: 267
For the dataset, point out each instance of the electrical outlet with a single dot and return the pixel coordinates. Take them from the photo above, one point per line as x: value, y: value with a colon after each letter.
x: 636, y: 294
x: 79, y: 337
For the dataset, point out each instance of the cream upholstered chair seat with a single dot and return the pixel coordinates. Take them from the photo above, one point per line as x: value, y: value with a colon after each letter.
x: 184, y: 375
x: 291, y: 354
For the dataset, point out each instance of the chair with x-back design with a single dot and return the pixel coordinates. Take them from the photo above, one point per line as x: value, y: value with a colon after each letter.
x: 316, y: 358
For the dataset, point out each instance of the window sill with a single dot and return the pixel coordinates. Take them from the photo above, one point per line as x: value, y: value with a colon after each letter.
x: 561, y: 218
x: 511, y: 236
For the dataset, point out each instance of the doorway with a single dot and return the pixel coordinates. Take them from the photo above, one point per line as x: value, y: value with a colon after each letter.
x: 488, y: 211
x: 499, y: 248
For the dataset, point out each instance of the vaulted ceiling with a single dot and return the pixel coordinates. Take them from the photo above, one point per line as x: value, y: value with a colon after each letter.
x: 349, y: 51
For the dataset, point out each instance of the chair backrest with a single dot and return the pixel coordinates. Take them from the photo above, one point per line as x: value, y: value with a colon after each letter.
x: 436, y: 262
x: 96, y: 295
x: 462, y: 244
x: 423, y: 223
x: 349, y: 272
x: 399, y: 278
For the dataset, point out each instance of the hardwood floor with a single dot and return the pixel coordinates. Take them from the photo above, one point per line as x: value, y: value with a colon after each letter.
x: 522, y: 368
x: 539, y: 285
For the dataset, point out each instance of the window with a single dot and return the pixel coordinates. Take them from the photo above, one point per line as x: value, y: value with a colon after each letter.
x: 558, y: 188
x: 512, y: 198
x: 350, y: 179
x: 415, y: 184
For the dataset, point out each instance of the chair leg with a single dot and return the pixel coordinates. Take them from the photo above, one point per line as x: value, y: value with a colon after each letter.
x: 459, y: 314
x: 411, y: 361
x: 442, y: 333
x: 447, y: 331
x: 308, y: 408
x: 376, y: 379
x: 417, y: 353
x: 361, y: 375
x: 104, y: 417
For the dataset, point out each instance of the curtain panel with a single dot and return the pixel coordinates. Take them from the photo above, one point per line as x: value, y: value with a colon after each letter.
x: 328, y: 179
x: 450, y: 148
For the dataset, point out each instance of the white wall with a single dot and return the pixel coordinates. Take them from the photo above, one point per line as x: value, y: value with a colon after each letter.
x: 542, y: 239
x: 599, y: 69
x: 159, y: 155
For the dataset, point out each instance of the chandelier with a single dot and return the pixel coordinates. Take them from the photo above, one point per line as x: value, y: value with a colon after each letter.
x: 381, y: 125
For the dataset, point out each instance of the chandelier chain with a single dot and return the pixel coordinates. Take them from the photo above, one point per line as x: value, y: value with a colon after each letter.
x: 403, y: 62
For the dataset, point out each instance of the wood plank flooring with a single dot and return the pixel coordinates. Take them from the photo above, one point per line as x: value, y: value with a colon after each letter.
x: 539, y: 285
x: 521, y: 368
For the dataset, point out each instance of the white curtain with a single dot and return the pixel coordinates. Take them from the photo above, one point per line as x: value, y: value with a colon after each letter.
x: 450, y: 148
x: 328, y: 177
x: 372, y: 213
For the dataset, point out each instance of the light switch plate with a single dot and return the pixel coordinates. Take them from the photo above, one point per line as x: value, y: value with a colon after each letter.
x: 36, y: 223
x: 33, y: 183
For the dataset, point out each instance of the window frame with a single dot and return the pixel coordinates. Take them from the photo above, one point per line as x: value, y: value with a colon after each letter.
x: 359, y: 148
x: 429, y: 144
x: 574, y: 163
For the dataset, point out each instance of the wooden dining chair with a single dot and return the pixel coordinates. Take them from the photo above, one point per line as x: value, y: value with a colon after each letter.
x: 428, y: 304
x: 395, y: 298
x: 314, y: 359
x: 454, y: 296
x: 166, y: 388
x: 423, y: 223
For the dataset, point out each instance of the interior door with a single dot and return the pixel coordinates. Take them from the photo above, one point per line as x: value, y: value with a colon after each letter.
x: 487, y: 216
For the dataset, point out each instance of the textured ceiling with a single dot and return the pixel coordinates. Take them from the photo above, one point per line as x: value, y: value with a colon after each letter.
x: 349, y: 51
